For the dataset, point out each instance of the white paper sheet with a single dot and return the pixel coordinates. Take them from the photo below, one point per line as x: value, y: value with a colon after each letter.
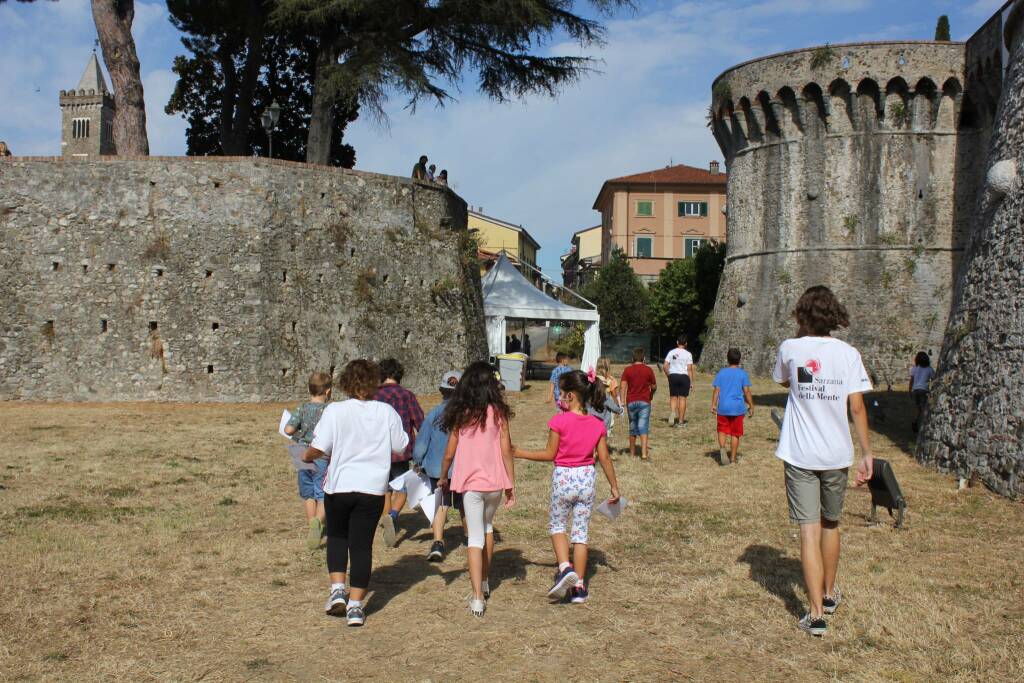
x: 296, y: 450
x: 612, y: 510
x: 285, y: 416
x: 398, y: 483
x: 429, y: 505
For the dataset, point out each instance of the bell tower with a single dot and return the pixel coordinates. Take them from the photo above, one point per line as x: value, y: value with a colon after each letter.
x: 87, y: 115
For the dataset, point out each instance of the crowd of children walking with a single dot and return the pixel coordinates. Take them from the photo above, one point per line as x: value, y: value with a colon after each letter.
x: 464, y: 447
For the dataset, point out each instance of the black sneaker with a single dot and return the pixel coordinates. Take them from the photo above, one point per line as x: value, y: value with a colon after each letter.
x: 816, y: 627
x: 579, y: 594
x: 564, y: 580
x: 436, y: 553
x: 830, y: 603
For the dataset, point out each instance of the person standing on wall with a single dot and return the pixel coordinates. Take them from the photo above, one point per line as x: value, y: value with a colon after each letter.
x: 419, y: 171
x: 679, y: 369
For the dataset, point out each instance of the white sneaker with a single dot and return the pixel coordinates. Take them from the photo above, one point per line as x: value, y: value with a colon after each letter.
x: 335, y: 605
x: 477, y: 607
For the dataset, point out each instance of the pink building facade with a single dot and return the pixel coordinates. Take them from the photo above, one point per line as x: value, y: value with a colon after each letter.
x: 660, y: 216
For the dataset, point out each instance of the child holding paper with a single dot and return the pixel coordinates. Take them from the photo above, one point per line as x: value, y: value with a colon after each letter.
x: 573, y: 437
x: 311, y: 482
x: 476, y: 419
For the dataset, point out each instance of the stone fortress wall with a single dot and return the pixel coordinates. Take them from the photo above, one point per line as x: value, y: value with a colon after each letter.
x: 199, y: 279
x: 854, y: 166
x: 975, y: 422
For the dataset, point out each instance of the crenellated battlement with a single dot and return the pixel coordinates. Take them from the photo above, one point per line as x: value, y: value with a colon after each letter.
x: 895, y: 88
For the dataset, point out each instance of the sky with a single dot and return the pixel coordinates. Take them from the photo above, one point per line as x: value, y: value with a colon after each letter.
x: 538, y: 163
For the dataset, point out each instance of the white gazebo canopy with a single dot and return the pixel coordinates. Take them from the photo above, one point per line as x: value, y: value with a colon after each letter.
x: 507, y: 294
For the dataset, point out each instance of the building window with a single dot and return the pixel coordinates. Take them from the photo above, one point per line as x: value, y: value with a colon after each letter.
x: 645, y: 208
x: 689, y: 209
x: 79, y: 128
x: 691, y: 245
x: 644, y: 247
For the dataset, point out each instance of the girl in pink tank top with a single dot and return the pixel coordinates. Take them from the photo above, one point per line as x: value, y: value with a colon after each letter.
x: 573, y: 440
x: 476, y: 418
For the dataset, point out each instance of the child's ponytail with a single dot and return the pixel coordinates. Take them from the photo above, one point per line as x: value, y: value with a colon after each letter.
x: 595, y: 392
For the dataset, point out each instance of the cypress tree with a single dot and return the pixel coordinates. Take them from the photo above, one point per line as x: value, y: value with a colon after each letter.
x: 942, y: 29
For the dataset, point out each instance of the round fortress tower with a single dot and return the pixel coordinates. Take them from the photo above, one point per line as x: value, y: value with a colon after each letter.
x: 843, y: 163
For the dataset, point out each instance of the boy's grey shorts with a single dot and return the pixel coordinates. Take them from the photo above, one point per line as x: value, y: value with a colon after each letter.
x: 814, y: 494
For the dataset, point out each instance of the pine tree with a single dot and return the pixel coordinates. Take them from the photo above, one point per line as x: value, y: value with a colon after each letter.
x: 239, y: 64
x: 942, y: 29
x: 367, y: 49
x: 621, y: 299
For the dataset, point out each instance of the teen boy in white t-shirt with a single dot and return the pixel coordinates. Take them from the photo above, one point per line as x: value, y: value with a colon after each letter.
x: 822, y: 374
x: 678, y: 368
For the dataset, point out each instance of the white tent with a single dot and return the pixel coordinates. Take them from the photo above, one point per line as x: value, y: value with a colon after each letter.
x: 507, y: 294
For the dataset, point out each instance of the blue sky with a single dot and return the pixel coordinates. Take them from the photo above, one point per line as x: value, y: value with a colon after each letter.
x: 538, y: 163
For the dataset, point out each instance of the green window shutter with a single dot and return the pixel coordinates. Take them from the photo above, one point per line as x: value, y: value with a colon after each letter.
x: 703, y: 208
x: 682, y: 209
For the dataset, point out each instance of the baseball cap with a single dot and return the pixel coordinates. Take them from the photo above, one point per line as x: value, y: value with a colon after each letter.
x: 446, y: 379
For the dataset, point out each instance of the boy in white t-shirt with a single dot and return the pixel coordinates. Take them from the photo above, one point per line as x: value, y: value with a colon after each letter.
x: 822, y: 374
x: 678, y: 368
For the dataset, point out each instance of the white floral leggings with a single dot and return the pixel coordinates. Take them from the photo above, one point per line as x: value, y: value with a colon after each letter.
x: 572, y: 492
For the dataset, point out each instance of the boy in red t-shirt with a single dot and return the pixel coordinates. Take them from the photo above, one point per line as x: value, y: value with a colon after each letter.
x: 636, y: 390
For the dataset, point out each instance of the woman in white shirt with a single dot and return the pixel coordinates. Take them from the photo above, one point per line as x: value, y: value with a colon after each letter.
x: 359, y: 435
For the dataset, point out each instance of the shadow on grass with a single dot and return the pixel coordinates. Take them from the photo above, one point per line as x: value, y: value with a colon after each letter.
x: 776, y: 573
x: 891, y: 417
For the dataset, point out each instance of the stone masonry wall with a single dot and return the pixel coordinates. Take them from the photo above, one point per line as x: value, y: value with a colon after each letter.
x: 842, y: 171
x: 975, y: 422
x: 224, y: 279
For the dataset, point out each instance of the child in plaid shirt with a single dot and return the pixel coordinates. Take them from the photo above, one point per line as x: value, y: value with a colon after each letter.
x: 404, y: 402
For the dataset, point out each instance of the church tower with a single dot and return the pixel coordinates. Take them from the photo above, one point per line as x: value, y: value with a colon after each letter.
x: 87, y: 115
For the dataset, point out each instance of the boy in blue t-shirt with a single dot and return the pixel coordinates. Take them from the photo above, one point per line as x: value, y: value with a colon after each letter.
x: 562, y: 367
x: 731, y: 400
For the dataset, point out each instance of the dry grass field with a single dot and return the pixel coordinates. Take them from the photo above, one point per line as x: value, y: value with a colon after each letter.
x: 166, y: 542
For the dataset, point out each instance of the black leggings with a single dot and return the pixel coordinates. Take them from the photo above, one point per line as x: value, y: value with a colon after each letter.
x: 351, y: 522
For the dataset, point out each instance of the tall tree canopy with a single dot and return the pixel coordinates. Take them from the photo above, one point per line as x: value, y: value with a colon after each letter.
x: 684, y: 296
x: 113, y: 19
x: 621, y: 298
x: 368, y: 48
x: 239, y: 64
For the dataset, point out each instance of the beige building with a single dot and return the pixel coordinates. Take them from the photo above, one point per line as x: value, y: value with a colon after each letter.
x: 583, y: 258
x: 660, y: 216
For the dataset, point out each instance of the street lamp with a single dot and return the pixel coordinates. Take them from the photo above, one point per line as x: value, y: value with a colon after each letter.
x: 269, y: 118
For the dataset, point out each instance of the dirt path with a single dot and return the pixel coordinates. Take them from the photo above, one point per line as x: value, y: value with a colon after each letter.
x: 165, y: 542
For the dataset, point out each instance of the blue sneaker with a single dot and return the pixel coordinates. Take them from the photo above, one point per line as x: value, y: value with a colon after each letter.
x: 579, y: 594
x: 564, y: 580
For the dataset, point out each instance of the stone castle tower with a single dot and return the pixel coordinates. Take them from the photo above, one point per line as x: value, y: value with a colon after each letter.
x: 87, y: 115
x: 852, y: 166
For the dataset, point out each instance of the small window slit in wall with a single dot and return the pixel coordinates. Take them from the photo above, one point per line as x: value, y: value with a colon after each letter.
x: 291, y: 247
x: 209, y: 274
x: 103, y: 326
x: 55, y: 266
x: 209, y: 369
x: 85, y: 269
x: 319, y: 278
x: 159, y: 272
x: 216, y: 184
x: 214, y: 326
x: 351, y: 251
x: 110, y: 267
x: 284, y: 276
x: 405, y: 337
x: 332, y: 373
x: 284, y: 372
x: 293, y: 325
x: 385, y: 279
x: 341, y: 328
x: 153, y: 326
